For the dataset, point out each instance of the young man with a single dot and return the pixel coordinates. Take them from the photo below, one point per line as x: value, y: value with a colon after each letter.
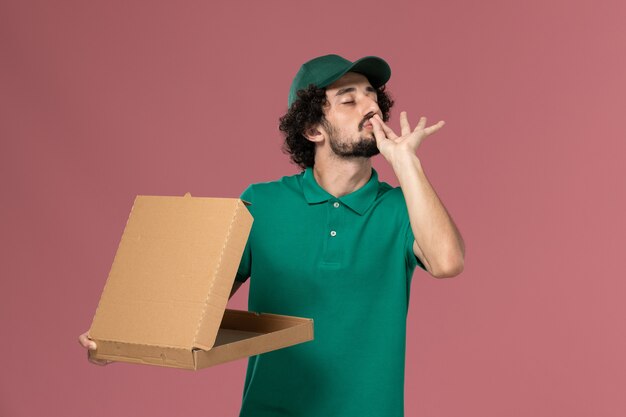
x: 334, y: 244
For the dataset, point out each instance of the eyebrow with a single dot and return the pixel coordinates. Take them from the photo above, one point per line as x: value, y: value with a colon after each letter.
x: 352, y: 90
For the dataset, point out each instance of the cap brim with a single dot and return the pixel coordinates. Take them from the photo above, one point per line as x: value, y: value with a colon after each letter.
x: 374, y: 68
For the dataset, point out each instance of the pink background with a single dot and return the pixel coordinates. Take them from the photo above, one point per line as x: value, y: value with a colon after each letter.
x: 103, y: 100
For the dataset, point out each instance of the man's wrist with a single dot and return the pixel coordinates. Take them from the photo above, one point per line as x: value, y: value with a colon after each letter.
x: 404, y: 161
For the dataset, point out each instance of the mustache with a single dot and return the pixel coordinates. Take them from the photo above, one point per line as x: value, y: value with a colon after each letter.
x: 365, y: 119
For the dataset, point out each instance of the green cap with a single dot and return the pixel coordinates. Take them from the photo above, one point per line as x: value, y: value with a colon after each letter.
x: 325, y: 70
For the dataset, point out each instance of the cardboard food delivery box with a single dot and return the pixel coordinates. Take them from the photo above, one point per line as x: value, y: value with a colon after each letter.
x: 164, y: 302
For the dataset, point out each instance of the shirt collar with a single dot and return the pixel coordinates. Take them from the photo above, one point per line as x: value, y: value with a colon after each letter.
x: 359, y: 200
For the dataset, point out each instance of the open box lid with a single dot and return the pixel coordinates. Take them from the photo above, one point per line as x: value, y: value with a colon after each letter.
x: 173, y: 272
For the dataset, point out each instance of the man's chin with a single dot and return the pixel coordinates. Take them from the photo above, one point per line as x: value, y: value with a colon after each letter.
x: 368, y: 146
x: 372, y: 152
x: 365, y: 149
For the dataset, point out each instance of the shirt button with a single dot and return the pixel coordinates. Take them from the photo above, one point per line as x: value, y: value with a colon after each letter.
x: 333, y: 233
x: 335, y: 204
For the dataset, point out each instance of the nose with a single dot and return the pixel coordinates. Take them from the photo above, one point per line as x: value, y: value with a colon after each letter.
x: 369, y: 105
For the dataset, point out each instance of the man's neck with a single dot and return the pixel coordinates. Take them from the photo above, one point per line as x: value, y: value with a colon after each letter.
x: 340, y: 177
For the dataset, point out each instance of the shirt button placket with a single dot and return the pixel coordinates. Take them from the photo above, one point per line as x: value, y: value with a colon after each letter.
x: 334, y: 228
x: 333, y: 216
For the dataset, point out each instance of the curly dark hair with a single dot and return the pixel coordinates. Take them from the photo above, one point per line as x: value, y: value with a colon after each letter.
x: 307, y: 111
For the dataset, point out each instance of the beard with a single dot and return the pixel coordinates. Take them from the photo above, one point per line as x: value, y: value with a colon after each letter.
x: 365, y: 147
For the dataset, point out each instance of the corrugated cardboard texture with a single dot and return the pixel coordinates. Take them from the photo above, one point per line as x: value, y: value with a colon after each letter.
x: 173, y: 272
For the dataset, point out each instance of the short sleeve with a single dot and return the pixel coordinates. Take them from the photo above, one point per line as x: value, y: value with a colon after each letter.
x: 412, y: 260
x: 243, y: 272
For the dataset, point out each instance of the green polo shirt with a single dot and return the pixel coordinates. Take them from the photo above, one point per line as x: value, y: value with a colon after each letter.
x: 346, y: 263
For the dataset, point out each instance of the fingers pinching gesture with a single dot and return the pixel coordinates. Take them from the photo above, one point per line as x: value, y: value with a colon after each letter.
x: 392, y: 145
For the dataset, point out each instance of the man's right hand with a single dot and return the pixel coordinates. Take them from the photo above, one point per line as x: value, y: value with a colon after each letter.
x: 89, y: 344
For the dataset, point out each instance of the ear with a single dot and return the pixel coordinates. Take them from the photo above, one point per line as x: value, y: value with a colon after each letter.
x: 315, y: 133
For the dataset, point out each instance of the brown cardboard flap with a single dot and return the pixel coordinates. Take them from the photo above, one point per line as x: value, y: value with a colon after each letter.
x: 173, y: 272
